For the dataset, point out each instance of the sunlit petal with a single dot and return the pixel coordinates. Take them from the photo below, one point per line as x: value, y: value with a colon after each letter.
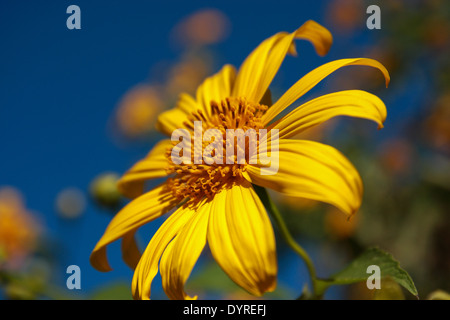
x: 312, y: 78
x: 353, y: 103
x: 260, y: 67
x: 241, y: 239
x: 312, y: 170
x: 216, y: 88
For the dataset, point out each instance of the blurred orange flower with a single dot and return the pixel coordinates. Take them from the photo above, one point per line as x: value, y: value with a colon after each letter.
x: 437, y: 32
x: 187, y: 74
x: 437, y: 126
x: 338, y: 225
x: 346, y: 15
x: 136, y: 113
x: 18, y: 228
x: 203, y: 27
x: 397, y: 156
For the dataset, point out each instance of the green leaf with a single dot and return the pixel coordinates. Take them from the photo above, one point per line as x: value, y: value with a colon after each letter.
x: 357, y: 270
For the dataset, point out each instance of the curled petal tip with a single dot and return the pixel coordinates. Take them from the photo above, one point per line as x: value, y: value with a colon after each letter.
x: 99, y: 263
x: 321, y: 37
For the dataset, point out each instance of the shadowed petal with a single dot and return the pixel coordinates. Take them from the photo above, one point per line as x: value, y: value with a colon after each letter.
x: 147, y: 267
x: 153, y: 166
x: 174, y: 118
x: 130, y: 250
x: 179, y: 259
x: 138, y: 212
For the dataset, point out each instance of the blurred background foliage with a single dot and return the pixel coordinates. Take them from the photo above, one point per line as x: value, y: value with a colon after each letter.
x: 405, y: 167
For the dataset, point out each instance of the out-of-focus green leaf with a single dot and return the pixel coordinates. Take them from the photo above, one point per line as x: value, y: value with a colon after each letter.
x: 15, y: 291
x: 356, y: 271
x: 115, y: 291
x: 439, y: 295
x: 212, y: 278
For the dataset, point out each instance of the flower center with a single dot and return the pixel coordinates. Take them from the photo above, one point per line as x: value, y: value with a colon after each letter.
x: 218, y: 161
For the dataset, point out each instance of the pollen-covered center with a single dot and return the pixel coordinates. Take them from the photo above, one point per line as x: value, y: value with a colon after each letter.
x: 219, y: 147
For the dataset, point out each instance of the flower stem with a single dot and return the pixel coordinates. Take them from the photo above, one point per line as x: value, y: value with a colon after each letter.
x: 276, y: 215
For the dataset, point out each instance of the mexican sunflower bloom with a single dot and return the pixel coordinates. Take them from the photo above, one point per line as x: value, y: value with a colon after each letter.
x: 216, y: 203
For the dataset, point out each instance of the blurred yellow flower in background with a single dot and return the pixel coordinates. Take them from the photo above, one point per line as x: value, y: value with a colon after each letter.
x: 346, y: 15
x: 339, y: 226
x: 217, y: 203
x: 137, y: 111
x: 18, y: 228
x: 188, y: 73
x: 203, y: 27
x: 396, y: 156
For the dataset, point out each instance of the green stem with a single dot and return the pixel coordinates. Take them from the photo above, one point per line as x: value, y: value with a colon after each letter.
x: 276, y: 215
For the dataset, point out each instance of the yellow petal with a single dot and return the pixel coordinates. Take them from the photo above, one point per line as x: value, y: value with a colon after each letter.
x: 312, y: 78
x: 147, y: 267
x: 152, y: 166
x: 130, y: 250
x: 249, y: 75
x: 174, y: 118
x: 180, y: 257
x: 261, y: 66
x: 353, y: 103
x: 138, y: 212
x: 216, y: 88
x: 241, y: 239
x: 314, y: 171
x: 318, y: 35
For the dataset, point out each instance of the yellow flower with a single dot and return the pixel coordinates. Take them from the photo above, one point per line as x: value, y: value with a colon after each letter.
x: 338, y: 226
x: 18, y: 228
x: 137, y: 111
x: 217, y: 203
x: 203, y: 27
